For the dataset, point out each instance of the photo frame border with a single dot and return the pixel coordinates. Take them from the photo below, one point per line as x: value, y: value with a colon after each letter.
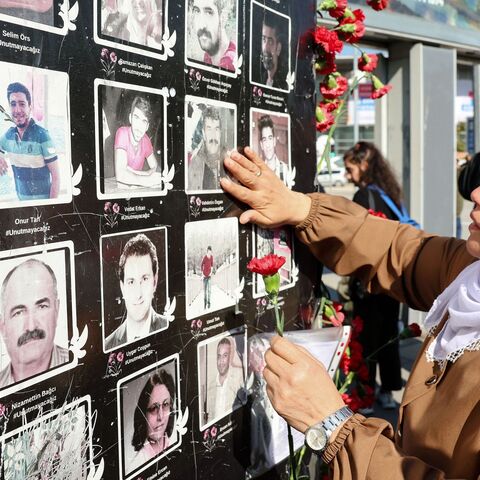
x: 147, y: 192
x: 67, y: 198
x: 11, y: 19
x: 166, y: 43
x: 250, y: 49
x: 211, y: 68
x: 133, y: 232
x: 154, y: 366
x: 189, y: 316
x: 256, y: 276
x: 214, y: 103
x: 28, y: 382
x: 238, y: 330
x: 58, y: 411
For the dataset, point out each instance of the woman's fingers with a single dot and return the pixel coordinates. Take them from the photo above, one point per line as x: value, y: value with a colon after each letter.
x: 242, y: 169
x: 240, y: 192
x: 244, y: 162
x: 254, y: 157
x: 285, y: 349
x: 275, y: 363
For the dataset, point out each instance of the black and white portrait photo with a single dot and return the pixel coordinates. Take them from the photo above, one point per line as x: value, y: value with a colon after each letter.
x: 57, y: 445
x: 37, y: 314
x: 270, y: 137
x: 211, y: 34
x: 269, y: 47
x: 130, y: 131
x: 134, y: 285
x: 211, y: 264
x: 137, y: 26
x: 222, y: 363
x: 40, y: 14
x: 276, y: 241
x: 35, y: 155
x: 210, y: 131
x: 148, y: 407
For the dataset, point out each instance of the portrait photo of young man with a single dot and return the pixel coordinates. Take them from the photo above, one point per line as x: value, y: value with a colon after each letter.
x: 270, y: 47
x: 35, y: 162
x: 270, y: 136
x: 35, y: 317
x: 130, y: 141
x: 212, y: 30
x: 210, y: 131
x: 132, y: 300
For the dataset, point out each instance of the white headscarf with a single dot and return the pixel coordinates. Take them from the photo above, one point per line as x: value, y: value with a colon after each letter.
x: 461, y: 299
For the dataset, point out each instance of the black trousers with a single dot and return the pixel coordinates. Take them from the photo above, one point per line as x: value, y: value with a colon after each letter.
x: 380, y: 324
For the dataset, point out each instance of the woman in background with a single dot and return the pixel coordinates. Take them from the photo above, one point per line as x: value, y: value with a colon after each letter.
x: 369, y: 171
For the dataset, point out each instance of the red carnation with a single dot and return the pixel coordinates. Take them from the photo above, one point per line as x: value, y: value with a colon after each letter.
x: 331, y: 105
x: 268, y: 265
x: 381, y: 92
x: 368, y: 62
x: 335, y: 8
x: 324, y: 118
x: 379, y: 89
x: 326, y: 64
x: 378, y: 4
x: 333, y: 86
x: 345, y: 364
x: 413, y: 330
x: 328, y: 40
x: 351, y: 25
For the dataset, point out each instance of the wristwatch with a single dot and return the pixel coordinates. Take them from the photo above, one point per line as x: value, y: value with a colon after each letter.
x: 317, y: 436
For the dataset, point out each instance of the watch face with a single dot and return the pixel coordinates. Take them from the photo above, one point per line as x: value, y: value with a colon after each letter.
x: 316, y: 438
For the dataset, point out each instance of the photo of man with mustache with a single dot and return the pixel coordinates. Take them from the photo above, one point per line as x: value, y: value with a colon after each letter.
x: 206, y: 164
x: 208, y: 21
x: 29, y: 314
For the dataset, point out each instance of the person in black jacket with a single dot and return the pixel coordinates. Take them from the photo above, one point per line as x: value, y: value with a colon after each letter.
x: 365, y: 166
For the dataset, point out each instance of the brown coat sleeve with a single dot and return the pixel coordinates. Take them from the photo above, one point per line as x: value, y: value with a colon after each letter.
x: 364, y: 449
x: 410, y: 265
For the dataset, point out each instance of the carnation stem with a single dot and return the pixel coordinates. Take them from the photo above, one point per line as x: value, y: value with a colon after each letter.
x: 392, y: 340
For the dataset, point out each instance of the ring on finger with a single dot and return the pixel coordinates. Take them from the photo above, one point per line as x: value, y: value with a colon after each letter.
x: 258, y: 173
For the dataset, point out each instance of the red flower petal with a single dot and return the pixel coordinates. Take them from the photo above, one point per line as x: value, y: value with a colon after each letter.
x: 268, y: 265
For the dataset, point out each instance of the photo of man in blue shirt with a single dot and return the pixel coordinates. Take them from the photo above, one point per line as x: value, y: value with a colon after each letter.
x: 29, y: 149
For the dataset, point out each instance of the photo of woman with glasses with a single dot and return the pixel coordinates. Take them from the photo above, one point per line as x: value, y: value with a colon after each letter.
x: 152, y: 421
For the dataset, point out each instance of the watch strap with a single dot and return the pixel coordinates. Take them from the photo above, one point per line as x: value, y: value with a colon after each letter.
x: 335, y: 419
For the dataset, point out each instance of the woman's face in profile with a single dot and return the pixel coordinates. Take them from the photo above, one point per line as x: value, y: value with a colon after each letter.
x: 158, y: 412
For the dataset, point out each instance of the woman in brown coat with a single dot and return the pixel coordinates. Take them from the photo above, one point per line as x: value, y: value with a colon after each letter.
x: 438, y: 434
